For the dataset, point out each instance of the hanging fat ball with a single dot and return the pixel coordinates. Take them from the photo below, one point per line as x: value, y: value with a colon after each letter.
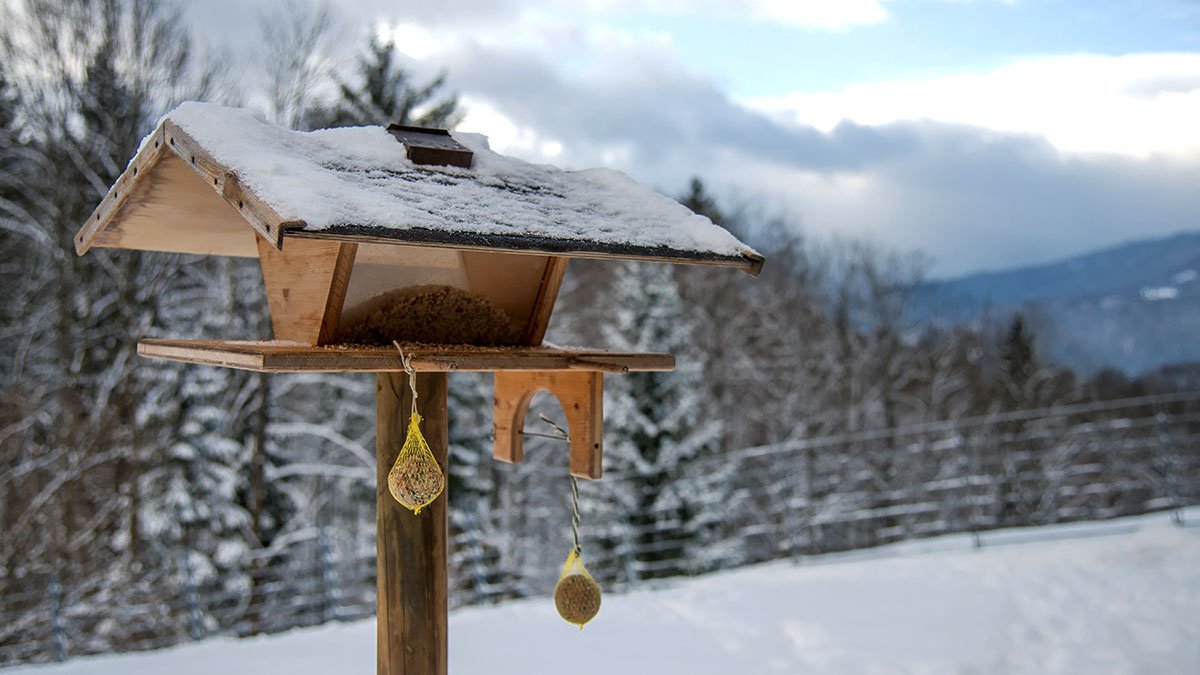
x: 416, y: 478
x: 576, y: 595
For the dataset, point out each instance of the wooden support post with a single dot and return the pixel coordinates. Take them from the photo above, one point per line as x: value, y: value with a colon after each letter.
x: 410, y: 550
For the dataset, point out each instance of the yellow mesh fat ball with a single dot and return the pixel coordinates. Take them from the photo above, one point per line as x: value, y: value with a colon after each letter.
x: 576, y: 595
x: 415, y: 479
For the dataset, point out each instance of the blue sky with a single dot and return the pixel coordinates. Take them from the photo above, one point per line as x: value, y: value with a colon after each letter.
x: 985, y: 133
x: 918, y: 38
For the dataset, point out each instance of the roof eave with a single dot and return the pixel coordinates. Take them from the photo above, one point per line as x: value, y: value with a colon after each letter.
x: 749, y: 261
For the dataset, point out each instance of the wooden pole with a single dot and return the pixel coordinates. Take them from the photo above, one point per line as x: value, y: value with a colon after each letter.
x: 410, y: 550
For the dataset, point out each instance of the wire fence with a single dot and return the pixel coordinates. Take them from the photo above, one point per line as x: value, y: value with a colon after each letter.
x: 789, y: 500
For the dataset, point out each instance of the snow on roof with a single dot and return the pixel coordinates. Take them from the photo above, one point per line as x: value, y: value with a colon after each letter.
x: 358, y: 181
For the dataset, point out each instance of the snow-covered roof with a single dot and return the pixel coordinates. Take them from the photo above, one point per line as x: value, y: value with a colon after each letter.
x: 358, y: 184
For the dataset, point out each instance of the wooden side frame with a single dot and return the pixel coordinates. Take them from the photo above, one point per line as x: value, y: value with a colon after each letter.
x: 581, y: 394
x: 306, y: 288
x: 543, y: 306
x: 126, y: 185
x: 168, y: 137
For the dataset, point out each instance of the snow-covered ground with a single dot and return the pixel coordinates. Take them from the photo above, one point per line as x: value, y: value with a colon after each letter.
x: 1115, y: 597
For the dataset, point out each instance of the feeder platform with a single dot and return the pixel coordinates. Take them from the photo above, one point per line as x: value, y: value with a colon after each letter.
x: 280, y: 356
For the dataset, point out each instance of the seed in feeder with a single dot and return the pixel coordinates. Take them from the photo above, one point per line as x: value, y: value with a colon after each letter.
x: 415, y: 479
x: 430, y: 314
x: 415, y: 482
x: 577, y: 597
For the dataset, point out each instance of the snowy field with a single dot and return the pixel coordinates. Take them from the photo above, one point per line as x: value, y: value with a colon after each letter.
x: 1115, y: 597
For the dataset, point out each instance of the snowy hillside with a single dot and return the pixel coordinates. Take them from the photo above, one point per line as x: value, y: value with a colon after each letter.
x: 1135, y: 306
x: 1114, y: 597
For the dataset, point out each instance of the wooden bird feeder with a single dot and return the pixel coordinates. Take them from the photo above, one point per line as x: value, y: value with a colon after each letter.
x: 341, y: 218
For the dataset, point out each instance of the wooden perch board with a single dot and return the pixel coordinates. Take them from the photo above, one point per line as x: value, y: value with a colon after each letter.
x: 293, y: 357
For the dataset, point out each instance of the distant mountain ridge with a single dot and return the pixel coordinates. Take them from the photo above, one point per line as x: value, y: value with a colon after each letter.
x: 1134, y: 306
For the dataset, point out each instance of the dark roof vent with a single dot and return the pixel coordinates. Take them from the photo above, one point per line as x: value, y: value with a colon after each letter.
x: 431, y: 146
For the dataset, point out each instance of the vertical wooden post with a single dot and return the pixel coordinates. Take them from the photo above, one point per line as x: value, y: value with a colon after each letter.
x: 410, y: 550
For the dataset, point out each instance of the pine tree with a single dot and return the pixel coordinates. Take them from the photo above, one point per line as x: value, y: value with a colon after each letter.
x: 698, y: 199
x: 386, y: 94
x: 192, y: 519
x: 110, y: 110
x: 658, y: 442
x: 12, y: 156
x: 195, y: 509
x: 473, y: 487
x: 15, y: 241
x: 10, y: 151
x: 93, y: 77
x: 469, y: 435
x: 1018, y: 359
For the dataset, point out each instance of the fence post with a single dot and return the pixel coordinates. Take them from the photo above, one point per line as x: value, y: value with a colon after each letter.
x: 195, y: 623
x: 56, y: 622
x: 328, y: 578
x: 813, y: 545
x: 473, y: 530
x: 973, y: 472
x: 791, y: 528
x: 1167, y: 448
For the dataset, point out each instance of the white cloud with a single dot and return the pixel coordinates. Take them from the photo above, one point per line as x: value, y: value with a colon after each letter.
x: 823, y: 14
x: 411, y: 39
x: 506, y: 136
x: 1138, y: 104
x: 549, y: 86
x: 833, y: 15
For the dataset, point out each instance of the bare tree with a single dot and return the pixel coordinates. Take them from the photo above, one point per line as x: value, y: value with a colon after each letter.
x: 300, y: 52
x: 92, y: 78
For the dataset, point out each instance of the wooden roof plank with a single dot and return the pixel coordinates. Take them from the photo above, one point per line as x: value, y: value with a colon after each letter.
x: 290, y: 357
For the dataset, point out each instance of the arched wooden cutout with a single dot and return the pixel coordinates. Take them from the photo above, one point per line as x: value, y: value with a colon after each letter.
x: 581, y: 394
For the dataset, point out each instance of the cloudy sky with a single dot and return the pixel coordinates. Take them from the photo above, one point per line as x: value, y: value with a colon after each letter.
x: 987, y: 133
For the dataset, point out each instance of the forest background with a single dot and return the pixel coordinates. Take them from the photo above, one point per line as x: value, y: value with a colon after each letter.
x: 814, y: 389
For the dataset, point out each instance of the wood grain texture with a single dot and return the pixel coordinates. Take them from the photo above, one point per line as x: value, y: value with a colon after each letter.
x: 285, y: 357
x: 175, y: 212
x: 167, y: 140
x: 226, y: 183
x: 543, y: 307
x: 581, y: 395
x: 509, y: 281
x: 128, y: 185
x: 306, y: 286
x: 411, y: 550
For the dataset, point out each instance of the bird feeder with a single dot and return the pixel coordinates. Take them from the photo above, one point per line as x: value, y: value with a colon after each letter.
x: 345, y: 221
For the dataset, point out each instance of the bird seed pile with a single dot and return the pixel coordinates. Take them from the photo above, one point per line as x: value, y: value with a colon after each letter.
x: 430, y: 314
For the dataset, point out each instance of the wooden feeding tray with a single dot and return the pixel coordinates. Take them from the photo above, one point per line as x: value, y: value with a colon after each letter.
x: 278, y: 356
x: 574, y: 376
